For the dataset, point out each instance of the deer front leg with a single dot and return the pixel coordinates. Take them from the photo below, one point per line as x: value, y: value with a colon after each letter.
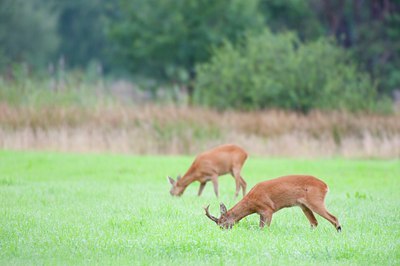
x: 202, y: 185
x: 265, y: 219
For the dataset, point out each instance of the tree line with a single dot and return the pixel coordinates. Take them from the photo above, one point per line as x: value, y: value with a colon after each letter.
x: 180, y: 42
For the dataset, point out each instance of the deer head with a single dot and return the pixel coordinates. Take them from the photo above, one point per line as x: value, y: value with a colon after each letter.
x: 176, y: 190
x: 224, y: 221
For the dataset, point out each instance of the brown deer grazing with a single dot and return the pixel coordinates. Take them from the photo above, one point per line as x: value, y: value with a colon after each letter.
x: 270, y: 196
x: 210, y: 165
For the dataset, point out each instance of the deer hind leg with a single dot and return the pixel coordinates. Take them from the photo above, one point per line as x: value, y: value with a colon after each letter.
x: 315, y: 201
x: 321, y: 210
x: 239, y: 181
x: 214, y: 180
x: 244, y: 185
x: 310, y: 216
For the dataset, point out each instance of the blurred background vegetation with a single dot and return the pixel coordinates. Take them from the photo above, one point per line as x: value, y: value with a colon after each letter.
x: 284, y: 78
x: 254, y: 54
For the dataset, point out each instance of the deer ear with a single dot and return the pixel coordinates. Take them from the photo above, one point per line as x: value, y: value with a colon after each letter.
x: 222, y: 208
x: 171, y: 180
x: 178, y: 177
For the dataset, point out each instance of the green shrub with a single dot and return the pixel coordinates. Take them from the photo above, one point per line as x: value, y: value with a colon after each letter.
x: 278, y: 71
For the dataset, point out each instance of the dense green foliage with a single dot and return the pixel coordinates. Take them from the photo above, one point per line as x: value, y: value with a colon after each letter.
x: 27, y: 33
x: 83, y: 26
x: 108, y: 209
x: 381, y: 57
x: 369, y: 29
x: 277, y: 70
x: 294, y: 15
x: 162, y: 40
x: 165, y: 39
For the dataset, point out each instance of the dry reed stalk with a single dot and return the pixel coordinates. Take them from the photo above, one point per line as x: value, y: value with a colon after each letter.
x: 155, y: 129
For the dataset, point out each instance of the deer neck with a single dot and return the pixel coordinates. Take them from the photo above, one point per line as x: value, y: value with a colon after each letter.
x: 186, y: 180
x: 239, y: 211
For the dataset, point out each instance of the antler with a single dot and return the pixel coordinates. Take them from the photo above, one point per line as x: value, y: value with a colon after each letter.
x: 212, y: 218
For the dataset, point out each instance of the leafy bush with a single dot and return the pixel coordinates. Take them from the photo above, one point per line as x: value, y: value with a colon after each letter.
x: 164, y: 39
x: 279, y: 71
x: 27, y: 33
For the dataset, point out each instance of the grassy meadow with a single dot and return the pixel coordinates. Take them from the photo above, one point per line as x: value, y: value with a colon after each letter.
x: 58, y: 208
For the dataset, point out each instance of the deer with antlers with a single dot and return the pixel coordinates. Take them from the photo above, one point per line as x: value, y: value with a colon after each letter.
x: 270, y: 196
x: 209, y: 165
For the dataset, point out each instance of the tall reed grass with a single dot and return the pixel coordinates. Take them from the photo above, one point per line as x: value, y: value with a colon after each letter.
x: 155, y: 129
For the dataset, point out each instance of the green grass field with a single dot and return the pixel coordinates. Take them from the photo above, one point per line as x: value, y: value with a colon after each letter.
x: 111, y: 209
